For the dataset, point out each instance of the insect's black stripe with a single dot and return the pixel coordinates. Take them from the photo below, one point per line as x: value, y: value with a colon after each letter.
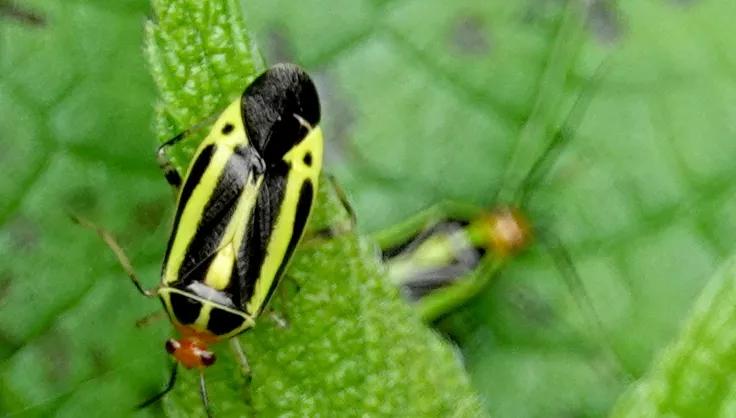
x: 233, y: 288
x: 250, y: 258
x: 198, y: 168
x: 303, y: 207
x: 186, y: 310
x: 252, y: 254
x: 215, y: 218
x: 222, y: 322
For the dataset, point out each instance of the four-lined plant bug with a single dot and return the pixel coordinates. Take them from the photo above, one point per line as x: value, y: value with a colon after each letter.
x: 241, y: 211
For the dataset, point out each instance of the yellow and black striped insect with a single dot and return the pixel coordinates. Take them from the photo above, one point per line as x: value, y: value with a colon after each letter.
x: 242, y: 209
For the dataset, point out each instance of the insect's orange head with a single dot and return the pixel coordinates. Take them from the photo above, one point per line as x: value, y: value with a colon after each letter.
x: 509, y: 231
x: 191, y: 352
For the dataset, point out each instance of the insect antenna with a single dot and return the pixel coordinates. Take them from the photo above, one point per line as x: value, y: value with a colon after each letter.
x: 169, y: 386
x: 562, y: 259
x: 564, y: 135
x: 554, y: 247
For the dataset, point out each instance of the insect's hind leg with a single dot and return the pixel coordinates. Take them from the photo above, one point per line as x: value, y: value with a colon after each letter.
x: 240, y: 356
x: 119, y: 253
x: 285, y: 291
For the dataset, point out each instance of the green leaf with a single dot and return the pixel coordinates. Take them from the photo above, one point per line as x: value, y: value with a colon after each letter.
x: 75, y: 114
x: 692, y: 376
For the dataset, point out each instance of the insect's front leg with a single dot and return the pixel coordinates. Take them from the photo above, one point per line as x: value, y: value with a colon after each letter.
x: 171, y: 173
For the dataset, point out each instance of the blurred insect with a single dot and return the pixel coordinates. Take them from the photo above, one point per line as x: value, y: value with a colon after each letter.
x: 439, y: 257
x: 242, y: 209
x: 447, y: 254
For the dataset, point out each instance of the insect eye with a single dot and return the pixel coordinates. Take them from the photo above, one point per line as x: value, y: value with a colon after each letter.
x: 208, y: 358
x: 171, y: 345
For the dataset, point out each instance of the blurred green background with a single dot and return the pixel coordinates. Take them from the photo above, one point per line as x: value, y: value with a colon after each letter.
x: 423, y: 100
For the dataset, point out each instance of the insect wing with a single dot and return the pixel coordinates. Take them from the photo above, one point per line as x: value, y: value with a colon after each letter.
x: 281, y: 115
x: 269, y: 106
x: 214, y: 210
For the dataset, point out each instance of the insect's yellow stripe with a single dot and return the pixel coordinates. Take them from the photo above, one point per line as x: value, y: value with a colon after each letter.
x: 300, y: 172
x: 223, y: 146
x: 220, y: 272
x: 231, y: 115
x: 193, y: 211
